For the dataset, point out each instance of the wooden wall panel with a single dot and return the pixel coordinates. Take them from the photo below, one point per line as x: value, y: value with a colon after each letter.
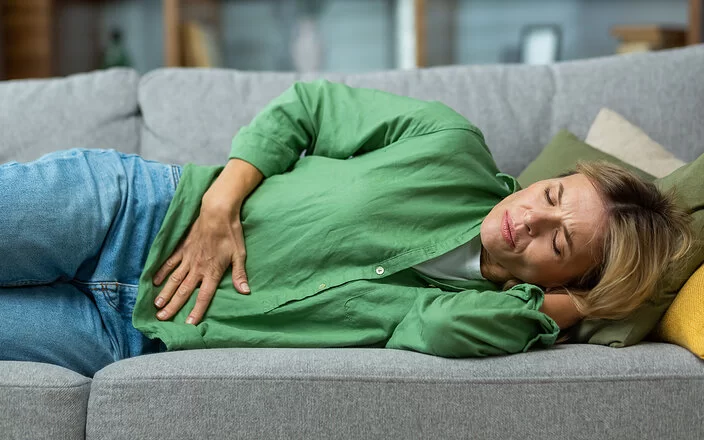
x: 696, y: 22
x: 27, y: 36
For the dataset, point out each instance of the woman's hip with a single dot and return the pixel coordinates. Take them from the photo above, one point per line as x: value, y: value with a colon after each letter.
x: 81, y: 214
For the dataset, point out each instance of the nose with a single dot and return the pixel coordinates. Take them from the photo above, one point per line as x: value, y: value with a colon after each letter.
x: 540, y: 220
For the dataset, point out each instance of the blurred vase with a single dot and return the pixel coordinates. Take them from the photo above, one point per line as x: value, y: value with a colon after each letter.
x: 116, y: 54
x: 307, y: 46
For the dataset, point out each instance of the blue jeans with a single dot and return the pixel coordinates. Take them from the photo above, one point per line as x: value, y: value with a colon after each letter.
x: 75, y: 230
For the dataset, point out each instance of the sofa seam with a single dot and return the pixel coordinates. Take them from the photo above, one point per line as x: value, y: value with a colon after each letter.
x: 399, y: 380
x: 45, y: 387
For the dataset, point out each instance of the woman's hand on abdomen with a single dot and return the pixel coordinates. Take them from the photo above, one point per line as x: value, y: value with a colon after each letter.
x: 214, y: 243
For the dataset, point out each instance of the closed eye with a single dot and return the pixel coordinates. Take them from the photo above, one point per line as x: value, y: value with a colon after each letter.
x: 555, y: 249
x: 547, y: 196
x: 554, y: 245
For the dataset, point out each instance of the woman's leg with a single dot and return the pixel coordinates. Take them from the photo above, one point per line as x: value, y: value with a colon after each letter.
x: 56, y: 324
x: 82, y: 220
x: 55, y: 214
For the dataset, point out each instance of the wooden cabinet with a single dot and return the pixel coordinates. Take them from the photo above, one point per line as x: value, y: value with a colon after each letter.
x: 27, y: 35
x: 45, y: 38
x: 176, y: 13
x: 696, y: 22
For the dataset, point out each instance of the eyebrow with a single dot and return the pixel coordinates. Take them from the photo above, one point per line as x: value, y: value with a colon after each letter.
x: 568, y: 234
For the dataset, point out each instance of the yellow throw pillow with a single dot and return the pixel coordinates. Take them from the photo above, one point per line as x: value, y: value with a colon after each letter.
x: 683, y: 323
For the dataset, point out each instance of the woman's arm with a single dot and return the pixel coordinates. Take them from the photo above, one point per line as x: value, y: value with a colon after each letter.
x: 561, y: 309
x: 475, y: 323
x: 337, y: 121
x: 214, y: 243
x: 227, y: 193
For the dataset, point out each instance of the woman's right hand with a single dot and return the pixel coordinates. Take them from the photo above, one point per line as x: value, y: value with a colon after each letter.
x: 214, y: 243
x: 558, y: 305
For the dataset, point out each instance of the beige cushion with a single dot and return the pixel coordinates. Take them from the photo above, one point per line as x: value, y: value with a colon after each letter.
x: 614, y: 135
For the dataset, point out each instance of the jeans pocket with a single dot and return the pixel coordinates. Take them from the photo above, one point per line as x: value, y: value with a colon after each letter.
x: 176, y: 174
x: 111, y: 297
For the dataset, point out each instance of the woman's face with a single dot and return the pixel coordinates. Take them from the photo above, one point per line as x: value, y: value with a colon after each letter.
x: 547, y: 234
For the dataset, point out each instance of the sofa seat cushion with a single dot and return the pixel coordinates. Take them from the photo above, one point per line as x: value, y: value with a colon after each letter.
x: 282, y: 393
x: 42, y: 401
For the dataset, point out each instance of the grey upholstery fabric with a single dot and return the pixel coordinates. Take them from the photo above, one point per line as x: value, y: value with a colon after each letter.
x: 191, y: 115
x: 94, y: 110
x: 42, y: 401
x: 660, y: 92
x: 650, y: 390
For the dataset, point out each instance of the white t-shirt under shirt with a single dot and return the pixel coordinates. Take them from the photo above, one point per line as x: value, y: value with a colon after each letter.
x: 461, y: 263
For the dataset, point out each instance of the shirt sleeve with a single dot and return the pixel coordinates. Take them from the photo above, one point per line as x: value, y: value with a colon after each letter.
x: 475, y: 323
x: 336, y: 121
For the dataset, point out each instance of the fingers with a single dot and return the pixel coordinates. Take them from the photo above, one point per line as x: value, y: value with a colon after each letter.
x: 169, y: 265
x: 176, y: 292
x: 239, y: 276
x: 202, y: 259
x: 207, y: 290
x: 180, y: 287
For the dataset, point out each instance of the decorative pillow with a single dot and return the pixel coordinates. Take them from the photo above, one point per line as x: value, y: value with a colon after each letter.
x: 683, y: 323
x: 561, y: 155
x: 613, y: 134
x: 634, y: 328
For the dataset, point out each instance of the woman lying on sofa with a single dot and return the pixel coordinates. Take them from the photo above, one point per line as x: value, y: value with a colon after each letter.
x: 395, y: 230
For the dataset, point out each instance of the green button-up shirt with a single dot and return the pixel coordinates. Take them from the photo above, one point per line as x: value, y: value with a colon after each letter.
x: 387, y: 182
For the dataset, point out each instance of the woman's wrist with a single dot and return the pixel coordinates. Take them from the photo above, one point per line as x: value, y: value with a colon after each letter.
x: 227, y: 193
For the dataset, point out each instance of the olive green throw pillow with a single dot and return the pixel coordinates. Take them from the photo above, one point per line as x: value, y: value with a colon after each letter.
x: 561, y: 155
x: 629, y: 331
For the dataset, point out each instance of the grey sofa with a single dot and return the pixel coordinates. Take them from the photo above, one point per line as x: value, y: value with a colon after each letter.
x: 570, y: 391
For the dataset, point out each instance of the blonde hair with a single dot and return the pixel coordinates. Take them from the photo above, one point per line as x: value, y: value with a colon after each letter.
x: 646, y: 230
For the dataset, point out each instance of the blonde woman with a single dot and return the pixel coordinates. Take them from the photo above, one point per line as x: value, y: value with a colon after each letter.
x: 395, y: 230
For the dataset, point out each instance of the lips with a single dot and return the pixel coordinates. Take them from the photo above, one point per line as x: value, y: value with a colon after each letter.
x: 507, y: 230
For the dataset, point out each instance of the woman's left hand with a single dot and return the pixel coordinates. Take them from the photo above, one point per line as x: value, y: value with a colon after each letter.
x: 214, y: 243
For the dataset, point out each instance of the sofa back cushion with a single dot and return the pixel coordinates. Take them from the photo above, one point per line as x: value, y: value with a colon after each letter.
x: 191, y: 115
x: 93, y: 110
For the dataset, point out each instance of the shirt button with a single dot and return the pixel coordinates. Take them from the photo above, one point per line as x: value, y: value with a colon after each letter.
x: 379, y: 270
x: 322, y: 286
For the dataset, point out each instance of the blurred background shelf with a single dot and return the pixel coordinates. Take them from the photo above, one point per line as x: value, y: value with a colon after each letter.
x: 42, y: 38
